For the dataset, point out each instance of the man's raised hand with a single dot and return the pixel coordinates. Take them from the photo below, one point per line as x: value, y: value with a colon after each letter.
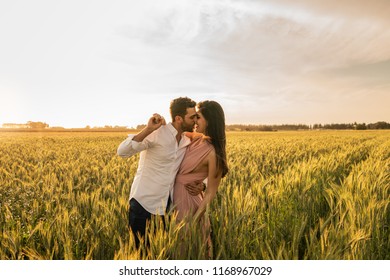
x: 155, y: 122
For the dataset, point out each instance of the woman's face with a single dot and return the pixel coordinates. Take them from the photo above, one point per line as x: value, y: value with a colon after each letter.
x: 201, y: 123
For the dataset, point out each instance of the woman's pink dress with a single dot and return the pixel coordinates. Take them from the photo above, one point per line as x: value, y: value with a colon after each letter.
x: 184, y: 203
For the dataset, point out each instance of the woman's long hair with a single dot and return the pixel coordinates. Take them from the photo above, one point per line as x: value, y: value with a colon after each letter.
x: 215, y: 117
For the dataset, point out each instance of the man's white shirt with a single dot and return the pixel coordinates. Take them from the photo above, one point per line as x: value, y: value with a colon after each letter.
x: 160, y: 159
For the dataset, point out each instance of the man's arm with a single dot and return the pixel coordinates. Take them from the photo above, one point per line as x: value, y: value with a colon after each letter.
x: 137, y: 143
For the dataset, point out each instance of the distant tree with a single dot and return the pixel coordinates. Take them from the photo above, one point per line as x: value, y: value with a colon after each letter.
x: 37, y: 125
x: 141, y: 126
x: 120, y: 127
x: 14, y: 125
x: 317, y: 126
x: 379, y: 125
x: 361, y: 126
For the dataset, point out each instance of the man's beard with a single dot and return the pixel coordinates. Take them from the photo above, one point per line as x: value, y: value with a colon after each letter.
x: 186, y: 127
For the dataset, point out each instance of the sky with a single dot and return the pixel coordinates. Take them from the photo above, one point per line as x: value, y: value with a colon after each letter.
x: 78, y: 63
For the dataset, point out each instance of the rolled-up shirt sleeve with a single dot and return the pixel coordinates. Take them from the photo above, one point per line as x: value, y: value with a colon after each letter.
x: 129, y: 147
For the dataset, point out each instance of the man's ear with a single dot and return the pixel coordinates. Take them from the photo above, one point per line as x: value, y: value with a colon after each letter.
x: 178, y: 119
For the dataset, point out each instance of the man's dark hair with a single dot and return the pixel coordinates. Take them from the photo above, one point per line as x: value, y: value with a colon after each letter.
x: 179, y: 106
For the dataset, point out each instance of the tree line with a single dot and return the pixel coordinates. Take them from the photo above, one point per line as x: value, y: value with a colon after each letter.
x: 30, y: 125
x: 356, y: 126
x: 335, y: 126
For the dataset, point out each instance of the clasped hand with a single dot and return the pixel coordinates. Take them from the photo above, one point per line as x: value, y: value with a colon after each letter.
x: 194, y: 188
x: 156, y: 121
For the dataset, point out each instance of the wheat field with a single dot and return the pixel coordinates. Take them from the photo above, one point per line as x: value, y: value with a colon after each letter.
x: 315, y: 195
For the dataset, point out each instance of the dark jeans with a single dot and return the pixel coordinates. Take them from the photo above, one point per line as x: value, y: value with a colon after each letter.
x: 137, y: 220
x: 138, y: 217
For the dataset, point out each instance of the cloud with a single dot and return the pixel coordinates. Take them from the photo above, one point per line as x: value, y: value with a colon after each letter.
x: 377, y: 10
x: 277, y: 59
x: 267, y: 56
x: 250, y: 35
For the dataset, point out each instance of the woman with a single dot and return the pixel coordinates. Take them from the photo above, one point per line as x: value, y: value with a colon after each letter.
x: 205, y: 158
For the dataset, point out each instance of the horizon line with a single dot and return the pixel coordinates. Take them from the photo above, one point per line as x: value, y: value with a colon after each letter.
x: 107, y: 126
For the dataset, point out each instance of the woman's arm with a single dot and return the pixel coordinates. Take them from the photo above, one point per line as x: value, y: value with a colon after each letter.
x: 212, y: 185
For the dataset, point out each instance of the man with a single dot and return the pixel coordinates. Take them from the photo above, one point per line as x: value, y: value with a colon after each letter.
x: 162, y: 148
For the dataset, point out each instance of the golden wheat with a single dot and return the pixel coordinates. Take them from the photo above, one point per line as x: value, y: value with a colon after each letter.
x: 288, y: 195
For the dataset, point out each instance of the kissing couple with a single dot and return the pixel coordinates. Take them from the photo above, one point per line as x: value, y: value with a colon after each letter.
x: 176, y: 158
